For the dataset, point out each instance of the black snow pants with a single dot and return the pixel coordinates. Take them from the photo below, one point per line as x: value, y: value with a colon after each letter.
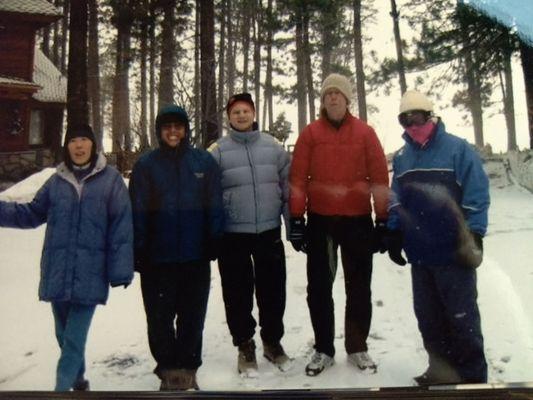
x: 175, y: 301
x: 253, y: 261
x: 325, y: 234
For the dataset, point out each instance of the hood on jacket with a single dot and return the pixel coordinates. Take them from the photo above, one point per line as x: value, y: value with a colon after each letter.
x: 172, y: 113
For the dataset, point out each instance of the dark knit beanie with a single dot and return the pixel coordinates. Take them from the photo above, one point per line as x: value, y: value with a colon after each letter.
x: 80, y: 130
x: 171, y: 113
x: 244, y: 97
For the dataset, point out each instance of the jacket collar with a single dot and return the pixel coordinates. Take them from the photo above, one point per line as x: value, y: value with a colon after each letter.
x: 68, y: 175
x: 244, y: 137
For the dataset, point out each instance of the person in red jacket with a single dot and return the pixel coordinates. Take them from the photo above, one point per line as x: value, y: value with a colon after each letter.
x: 338, y: 166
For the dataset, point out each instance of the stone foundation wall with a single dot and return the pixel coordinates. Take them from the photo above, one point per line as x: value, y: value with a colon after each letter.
x: 15, y: 166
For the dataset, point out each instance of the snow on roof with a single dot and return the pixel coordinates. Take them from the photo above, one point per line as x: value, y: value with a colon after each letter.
x: 515, y: 14
x: 53, y: 83
x: 10, y: 80
x: 39, y: 7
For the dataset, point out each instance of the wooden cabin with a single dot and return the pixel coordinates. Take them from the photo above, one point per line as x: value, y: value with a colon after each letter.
x: 32, y: 91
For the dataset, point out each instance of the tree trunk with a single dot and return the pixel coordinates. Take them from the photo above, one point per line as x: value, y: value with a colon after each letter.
x: 230, y: 56
x: 197, y: 93
x: 77, y: 65
x: 398, y: 40
x: 207, y: 71
x: 359, y: 67
x: 508, y: 102
x: 245, y: 43
x: 526, y: 54
x: 268, y: 108
x: 45, y: 46
x: 168, y: 48
x: 56, y: 43
x: 144, y: 144
x: 301, y: 95
x: 308, y: 66
x: 93, y: 70
x: 64, y: 29
x: 121, y: 108
x: 221, y: 65
x: 153, y: 57
x: 475, y: 103
x: 257, y: 33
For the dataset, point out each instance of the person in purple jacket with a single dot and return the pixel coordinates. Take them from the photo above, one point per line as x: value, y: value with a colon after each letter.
x: 88, y: 244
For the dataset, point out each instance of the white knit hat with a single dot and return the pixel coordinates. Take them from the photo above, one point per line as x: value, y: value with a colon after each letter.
x: 413, y: 100
x: 337, y: 81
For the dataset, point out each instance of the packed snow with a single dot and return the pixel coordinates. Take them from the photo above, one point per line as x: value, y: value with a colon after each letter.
x: 117, y: 352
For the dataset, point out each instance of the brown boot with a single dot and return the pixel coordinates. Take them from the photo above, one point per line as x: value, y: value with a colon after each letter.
x: 185, y: 379
x: 246, y: 361
x: 168, y: 379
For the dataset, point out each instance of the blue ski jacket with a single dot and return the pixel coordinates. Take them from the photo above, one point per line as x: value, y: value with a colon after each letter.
x: 88, y: 243
x: 439, y: 190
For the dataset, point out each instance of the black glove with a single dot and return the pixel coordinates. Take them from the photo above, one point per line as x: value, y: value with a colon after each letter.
x: 297, y: 234
x: 394, y: 243
x: 378, y: 236
x: 470, y: 250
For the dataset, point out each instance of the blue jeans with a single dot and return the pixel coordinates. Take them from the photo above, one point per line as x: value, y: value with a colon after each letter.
x: 72, y: 323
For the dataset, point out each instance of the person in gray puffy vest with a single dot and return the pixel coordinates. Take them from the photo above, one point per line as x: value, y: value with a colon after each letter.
x: 255, y: 170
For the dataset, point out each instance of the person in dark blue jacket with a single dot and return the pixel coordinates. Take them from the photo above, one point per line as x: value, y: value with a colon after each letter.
x: 88, y: 244
x: 178, y: 222
x: 438, y: 215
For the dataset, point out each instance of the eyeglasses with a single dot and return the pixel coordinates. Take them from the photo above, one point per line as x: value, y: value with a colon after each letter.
x: 415, y: 117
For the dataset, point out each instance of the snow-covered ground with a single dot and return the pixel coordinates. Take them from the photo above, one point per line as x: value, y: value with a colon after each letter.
x: 118, y: 357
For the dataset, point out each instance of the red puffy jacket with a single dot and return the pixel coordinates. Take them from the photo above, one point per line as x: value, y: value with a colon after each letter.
x: 334, y: 171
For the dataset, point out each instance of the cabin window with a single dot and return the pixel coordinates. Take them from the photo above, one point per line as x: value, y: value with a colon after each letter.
x: 36, y: 128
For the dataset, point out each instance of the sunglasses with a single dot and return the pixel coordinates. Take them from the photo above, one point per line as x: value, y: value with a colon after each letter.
x: 415, y: 117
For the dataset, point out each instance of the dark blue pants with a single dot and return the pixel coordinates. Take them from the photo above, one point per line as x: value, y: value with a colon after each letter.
x: 253, y: 261
x: 175, y: 301
x: 325, y: 234
x: 72, y: 322
x: 445, y: 303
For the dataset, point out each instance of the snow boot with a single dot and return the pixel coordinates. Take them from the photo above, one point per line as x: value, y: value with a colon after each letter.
x: 319, y: 362
x: 276, y: 355
x: 363, y: 361
x: 246, y: 361
x: 439, y: 372
x: 81, y: 385
x: 185, y: 379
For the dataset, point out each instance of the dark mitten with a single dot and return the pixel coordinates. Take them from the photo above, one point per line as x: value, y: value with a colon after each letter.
x: 394, y: 242
x: 297, y: 234
x: 470, y: 250
x: 378, y: 236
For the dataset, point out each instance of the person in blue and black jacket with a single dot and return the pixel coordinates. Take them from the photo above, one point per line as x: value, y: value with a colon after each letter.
x: 438, y: 215
x: 178, y: 223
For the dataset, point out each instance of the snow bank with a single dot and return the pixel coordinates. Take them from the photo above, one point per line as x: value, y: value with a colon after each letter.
x: 521, y: 164
x: 24, y: 190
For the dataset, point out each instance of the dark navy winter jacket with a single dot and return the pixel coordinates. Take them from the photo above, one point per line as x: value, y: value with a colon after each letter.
x: 88, y: 243
x: 439, y: 190
x: 177, y: 205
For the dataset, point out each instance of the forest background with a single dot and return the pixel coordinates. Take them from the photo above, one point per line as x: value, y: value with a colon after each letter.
x: 124, y: 59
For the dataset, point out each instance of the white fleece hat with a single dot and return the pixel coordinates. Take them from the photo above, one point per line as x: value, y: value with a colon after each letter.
x: 337, y: 81
x: 413, y: 100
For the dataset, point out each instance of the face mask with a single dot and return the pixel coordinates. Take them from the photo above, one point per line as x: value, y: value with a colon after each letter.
x: 421, y: 133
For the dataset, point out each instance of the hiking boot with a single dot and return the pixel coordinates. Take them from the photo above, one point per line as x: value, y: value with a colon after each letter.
x: 319, y: 362
x: 246, y: 361
x: 277, y: 356
x: 431, y: 378
x: 81, y: 385
x: 178, y: 379
x: 363, y: 361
